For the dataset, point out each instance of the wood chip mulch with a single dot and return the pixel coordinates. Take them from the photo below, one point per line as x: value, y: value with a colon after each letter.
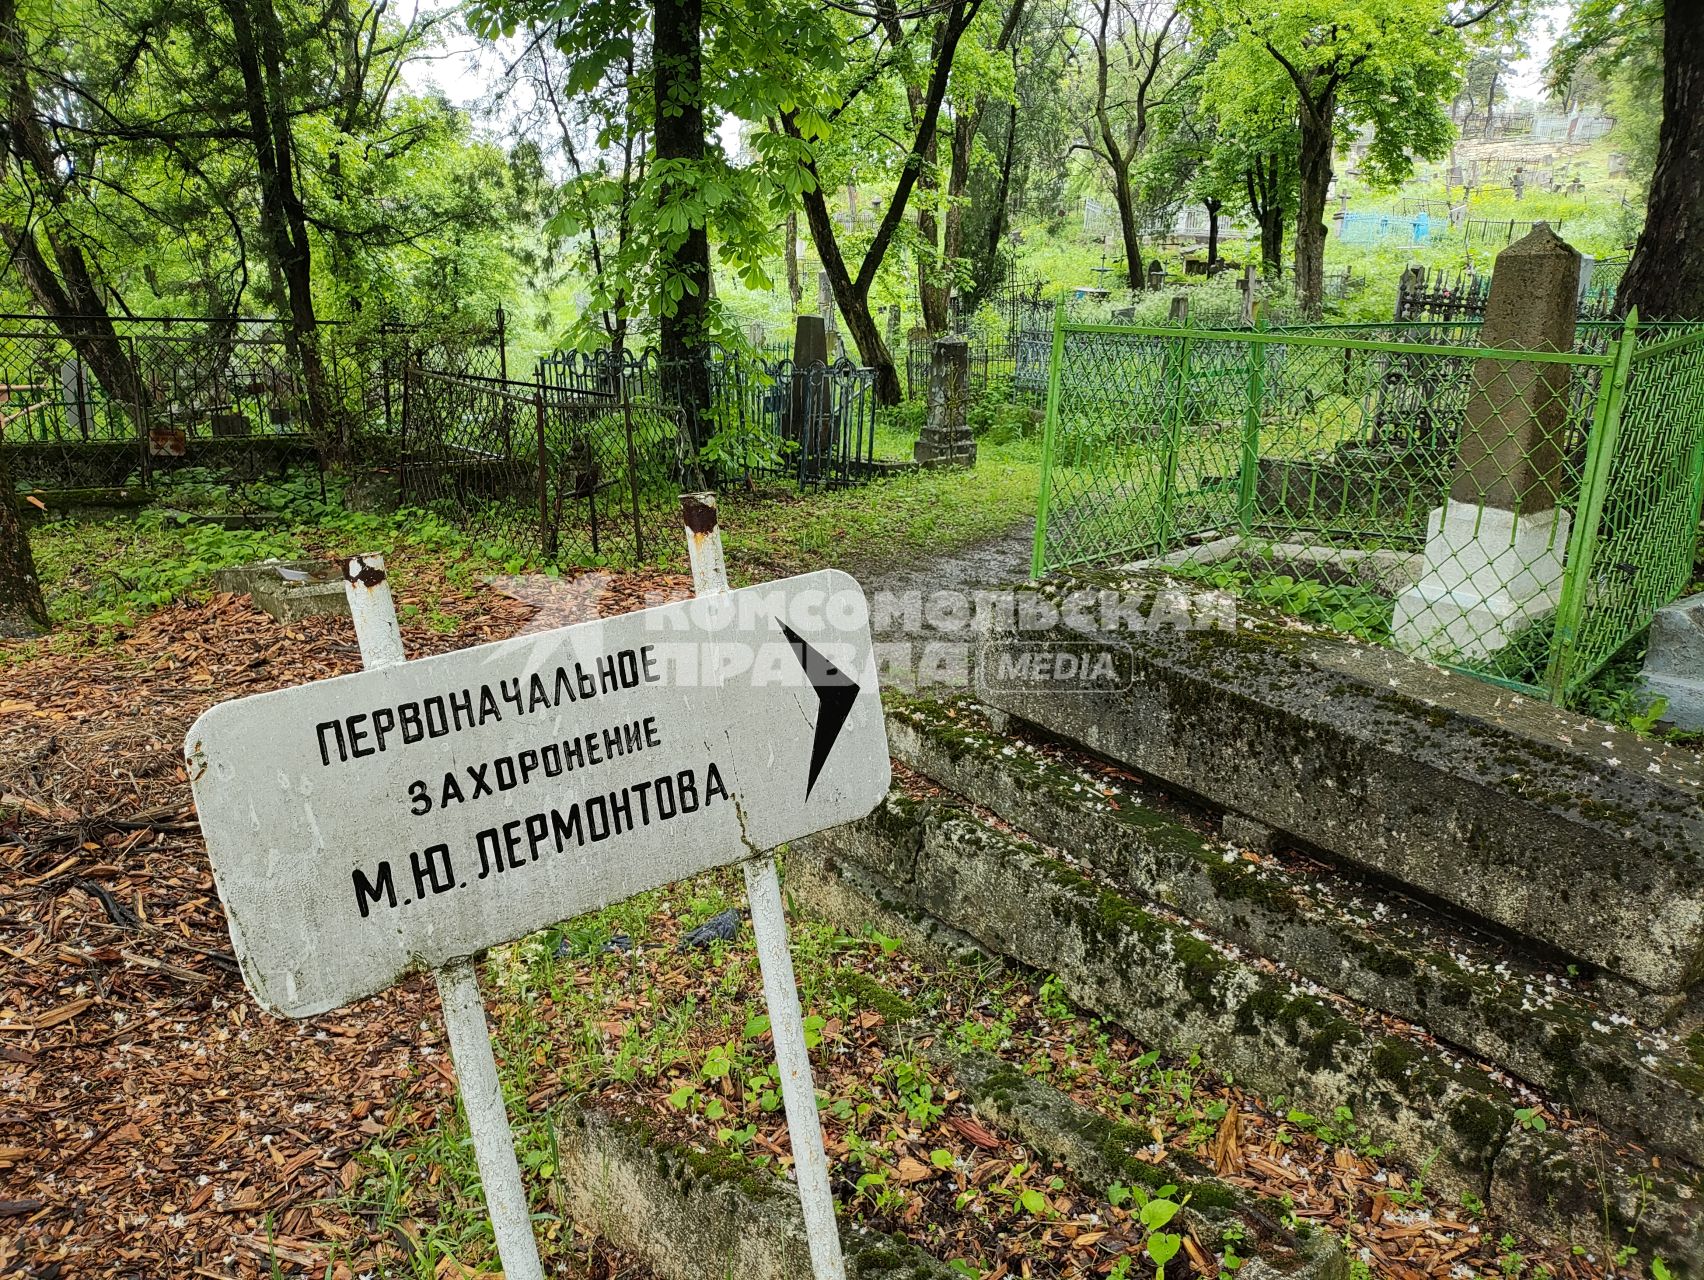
x: 153, y: 1121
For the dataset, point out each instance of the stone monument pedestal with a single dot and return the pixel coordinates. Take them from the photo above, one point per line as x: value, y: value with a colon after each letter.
x: 1488, y: 575
x: 946, y: 439
x: 1496, y: 549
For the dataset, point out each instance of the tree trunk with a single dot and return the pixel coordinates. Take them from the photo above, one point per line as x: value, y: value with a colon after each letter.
x: 1665, y: 279
x: 1272, y: 242
x: 851, y: 295
x: 1316, y: 129
x: 1491, y: 102
x: 853, y: 303
x: 793, y: 289
x: 1213, y: 206
x: 258, y: 39
x: 22, y: 612
x: 931, y: 281
x: 958, y: 180
x: 1126, y: 201
x: 986, y: 270
x: 679, y: 139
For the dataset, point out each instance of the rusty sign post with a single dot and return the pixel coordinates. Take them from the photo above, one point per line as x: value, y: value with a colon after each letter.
x: 775, y: 957
x: 414, y: 814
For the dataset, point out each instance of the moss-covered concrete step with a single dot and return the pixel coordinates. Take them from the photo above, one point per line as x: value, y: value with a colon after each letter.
x: 692, y: 1216
x: 1549, y: 825
x: 1380, y: 950
x: 1101, y: 1153
x: 1097, y: 1151
x: 1175, y: 989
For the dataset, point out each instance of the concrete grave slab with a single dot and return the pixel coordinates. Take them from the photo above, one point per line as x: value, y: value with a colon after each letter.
x: 1560, y: 829
x: 1157, y: 976
x: 1353, y: 937
x: 289, y: 590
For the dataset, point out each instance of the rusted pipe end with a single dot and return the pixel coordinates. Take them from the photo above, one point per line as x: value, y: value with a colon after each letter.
x: 369, y: 570
x: 699, y: 512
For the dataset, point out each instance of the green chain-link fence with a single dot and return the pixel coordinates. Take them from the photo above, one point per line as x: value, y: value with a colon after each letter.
x: 1516, y: 514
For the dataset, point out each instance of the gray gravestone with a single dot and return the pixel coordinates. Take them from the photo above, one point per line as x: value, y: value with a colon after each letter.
x: 1511, y: 452
x: 808, y: 407
x: 74, y: 389
x: 946, y: 440
x: 1495, y: 549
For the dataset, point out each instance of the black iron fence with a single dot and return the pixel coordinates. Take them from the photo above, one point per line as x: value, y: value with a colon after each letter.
x: 745, y: 416
x: 583, y: 462
x: 121, y: 405
x: 539, y: 469
x: 1429, y: 294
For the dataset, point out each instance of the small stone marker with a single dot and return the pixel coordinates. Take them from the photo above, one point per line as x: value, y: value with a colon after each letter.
x: 946, y: 439
x: 417, y: 813
x: 1674, y: 662
x: 1495, y: 549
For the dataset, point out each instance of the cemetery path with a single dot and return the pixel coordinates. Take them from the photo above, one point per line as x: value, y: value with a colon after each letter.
x: 995, y: 562
x: 921, y: 609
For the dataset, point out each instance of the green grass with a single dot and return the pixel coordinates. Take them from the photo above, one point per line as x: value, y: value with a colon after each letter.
x: 906, y: 518
x: 101, y: 575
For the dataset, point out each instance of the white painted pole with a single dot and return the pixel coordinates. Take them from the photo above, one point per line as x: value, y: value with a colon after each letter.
x: 780, y: 989
x: 374, y: 612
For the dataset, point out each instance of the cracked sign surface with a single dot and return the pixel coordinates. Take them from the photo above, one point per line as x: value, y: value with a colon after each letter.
x: 367, y: 825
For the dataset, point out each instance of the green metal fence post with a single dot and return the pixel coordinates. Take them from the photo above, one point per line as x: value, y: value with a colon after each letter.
x: 1248, y: 474
x: 1174, y: 441
x: 1049, y: 442
x: 1583, y: 539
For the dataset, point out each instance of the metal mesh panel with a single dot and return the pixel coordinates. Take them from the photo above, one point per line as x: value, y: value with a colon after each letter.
x: 1646, y: 490
x: 1528, y: 511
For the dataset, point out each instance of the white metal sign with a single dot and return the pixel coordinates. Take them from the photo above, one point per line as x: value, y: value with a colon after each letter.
x: 404, y: 817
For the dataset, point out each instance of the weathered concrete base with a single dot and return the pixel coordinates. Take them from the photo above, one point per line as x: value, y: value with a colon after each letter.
x: 1565, y: 832
x: 1674, y: 662
x: 1362, y: 941
x: 1489, y: 575
x: 1382, y: 569
x: 944, y: 448
x: 1174, y: 990
x: 697, y: 1217
x: 313, y: 589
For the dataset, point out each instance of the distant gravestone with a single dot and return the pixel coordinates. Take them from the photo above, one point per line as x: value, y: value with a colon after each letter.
x: 809, y: 413
x: 1495, y: 549
x: 1156, y: 274
x: 946, y: 439
x: 1179, y: 314
x: 74, y: 394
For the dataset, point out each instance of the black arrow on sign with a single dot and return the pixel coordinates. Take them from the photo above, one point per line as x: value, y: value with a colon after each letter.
x: 835, y: 693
